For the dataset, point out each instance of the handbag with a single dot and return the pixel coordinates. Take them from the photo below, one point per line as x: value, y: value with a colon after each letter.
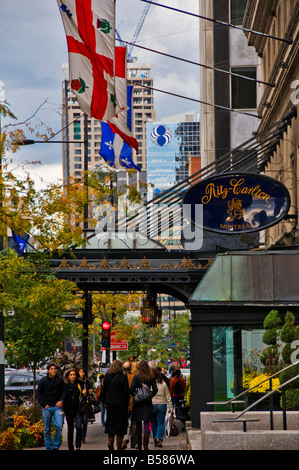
x: 167, y: 426
x: 173, y: 427
x: 142, y: 393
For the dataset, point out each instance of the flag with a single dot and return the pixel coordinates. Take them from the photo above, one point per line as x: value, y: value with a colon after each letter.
x: 20, y: 242
x: 114, y: 150
x: 119, y: 123
x: 90, y: 32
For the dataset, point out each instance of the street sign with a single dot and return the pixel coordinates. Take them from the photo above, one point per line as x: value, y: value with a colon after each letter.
x: 117, y: 344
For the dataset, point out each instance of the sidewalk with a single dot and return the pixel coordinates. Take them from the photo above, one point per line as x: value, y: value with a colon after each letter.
x: 96, y: 439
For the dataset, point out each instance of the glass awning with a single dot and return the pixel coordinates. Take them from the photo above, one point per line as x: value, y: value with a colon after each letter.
x: 251, y: 277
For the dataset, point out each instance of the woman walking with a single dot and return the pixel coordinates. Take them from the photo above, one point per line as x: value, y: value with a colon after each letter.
x: 71, y: 408
x: 143, y: 411
x: 161, y: 401
x: 116, y: 400
x: 86, y: 405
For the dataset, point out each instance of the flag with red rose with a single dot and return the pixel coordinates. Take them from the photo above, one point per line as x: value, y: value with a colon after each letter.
x: 90, y: 32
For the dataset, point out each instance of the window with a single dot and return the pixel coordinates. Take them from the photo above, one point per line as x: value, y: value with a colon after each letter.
x: 19, y: 381
x: 243, y: 91
x: 237, y: 11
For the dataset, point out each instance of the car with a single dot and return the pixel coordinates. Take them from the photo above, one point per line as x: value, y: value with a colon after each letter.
x: 19, y: 387
x: 185, y: 373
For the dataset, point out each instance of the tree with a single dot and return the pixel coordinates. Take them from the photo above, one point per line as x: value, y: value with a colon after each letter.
x: 54, y: 217
x: 33, y: 302
x: 179, y: 335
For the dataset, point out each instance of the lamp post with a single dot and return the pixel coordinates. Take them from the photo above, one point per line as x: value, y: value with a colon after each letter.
x: 2, y: 351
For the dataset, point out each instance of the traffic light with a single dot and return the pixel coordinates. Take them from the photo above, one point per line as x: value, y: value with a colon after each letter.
x: 106, y: 332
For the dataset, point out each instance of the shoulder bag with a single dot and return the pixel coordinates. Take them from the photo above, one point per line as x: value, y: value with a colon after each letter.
x: 142, y: 393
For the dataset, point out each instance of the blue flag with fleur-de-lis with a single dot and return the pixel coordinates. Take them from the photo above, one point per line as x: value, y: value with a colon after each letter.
x: 110, y: 141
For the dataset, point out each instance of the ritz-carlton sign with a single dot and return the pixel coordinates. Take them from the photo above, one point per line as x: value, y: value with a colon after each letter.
x: 235, y: 203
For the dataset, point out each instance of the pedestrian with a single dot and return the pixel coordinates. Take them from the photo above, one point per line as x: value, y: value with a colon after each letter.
x: 177, y: 389
x: 71, y: 408
x: 116, y: 400
x: 86, y: 407
x: 131, y: 435
x: 161, y: 402
x: 143, y: 411
x: 99, y: 399
x: 164, y: 377
x: 51, y: 394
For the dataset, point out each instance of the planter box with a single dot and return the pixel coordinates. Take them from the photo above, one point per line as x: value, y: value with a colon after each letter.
x: 265, y: 404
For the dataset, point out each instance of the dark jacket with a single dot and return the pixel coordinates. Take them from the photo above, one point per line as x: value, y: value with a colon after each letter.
x: 72, y: 398
x: 143, y: 411
x: 115, y: 395
x: 50, y: 391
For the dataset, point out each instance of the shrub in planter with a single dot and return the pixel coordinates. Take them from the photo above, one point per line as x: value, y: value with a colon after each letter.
x: 270, y: 356
x: 289, y: 333
x: 292, y: 399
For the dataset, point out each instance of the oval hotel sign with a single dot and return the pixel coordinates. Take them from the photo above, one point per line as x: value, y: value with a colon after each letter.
x: 241, y: 202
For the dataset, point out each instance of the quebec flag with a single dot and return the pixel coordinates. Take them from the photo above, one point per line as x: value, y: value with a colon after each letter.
x: 20, y: 242
x: 113, y: 149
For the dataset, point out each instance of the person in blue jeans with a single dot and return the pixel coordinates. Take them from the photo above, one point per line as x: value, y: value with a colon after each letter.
x: 161, y: 402
x: 51, y: 394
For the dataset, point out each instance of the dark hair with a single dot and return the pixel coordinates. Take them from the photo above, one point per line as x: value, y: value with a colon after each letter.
x: 51, y: 364
x: 157, y: 375
x: 68, y: 373
x: 144, y: 371
x: 177, y: 373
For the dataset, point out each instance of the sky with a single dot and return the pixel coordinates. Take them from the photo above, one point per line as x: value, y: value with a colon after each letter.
x: 33, y: 49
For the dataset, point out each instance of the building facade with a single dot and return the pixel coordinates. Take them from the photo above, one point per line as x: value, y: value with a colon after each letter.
x: 279, y: 64
x: 226, y: 120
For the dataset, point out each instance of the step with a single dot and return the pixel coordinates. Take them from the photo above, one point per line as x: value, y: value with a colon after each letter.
x: 213, y: 420
x: 250, y: 440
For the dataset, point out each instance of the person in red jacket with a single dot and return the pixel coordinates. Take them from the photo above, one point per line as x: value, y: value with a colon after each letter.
x: 177, y: 389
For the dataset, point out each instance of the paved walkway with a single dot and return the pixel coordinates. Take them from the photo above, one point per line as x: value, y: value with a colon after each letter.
x: 96, y: 439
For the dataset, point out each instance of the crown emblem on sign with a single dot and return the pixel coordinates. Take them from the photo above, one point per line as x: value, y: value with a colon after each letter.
x: 235, y: 209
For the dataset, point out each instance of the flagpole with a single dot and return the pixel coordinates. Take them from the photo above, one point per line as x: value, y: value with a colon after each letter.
x: 85, y: 180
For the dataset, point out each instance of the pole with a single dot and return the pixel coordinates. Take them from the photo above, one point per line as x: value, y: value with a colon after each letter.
x: 85, y: 175
x: 85, y: 339
x: 2, y: 364
x: 2, y: 353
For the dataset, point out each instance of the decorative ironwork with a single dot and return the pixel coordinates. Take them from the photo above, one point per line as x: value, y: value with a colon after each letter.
x: 185, y: 264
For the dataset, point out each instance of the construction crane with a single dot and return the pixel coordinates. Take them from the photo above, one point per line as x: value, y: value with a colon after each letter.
x: 136, y: 34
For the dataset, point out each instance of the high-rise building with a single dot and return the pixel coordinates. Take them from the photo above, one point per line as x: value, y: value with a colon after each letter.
x: 171, y: 144
x: 139, y: 75
x: 73, y: 134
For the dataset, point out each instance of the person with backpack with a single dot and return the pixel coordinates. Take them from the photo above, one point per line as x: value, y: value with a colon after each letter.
x: 177, y: 389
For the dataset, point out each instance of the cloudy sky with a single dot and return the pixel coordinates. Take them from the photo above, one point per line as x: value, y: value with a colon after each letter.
x: 33, y: 49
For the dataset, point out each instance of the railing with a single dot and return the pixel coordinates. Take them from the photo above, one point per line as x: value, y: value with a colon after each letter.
x: 233, y: 401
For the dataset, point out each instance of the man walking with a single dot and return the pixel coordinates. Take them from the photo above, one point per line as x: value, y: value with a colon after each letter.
x: 50, y: 394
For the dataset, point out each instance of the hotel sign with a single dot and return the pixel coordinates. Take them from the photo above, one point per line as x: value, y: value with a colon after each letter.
x: 236, y: 203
